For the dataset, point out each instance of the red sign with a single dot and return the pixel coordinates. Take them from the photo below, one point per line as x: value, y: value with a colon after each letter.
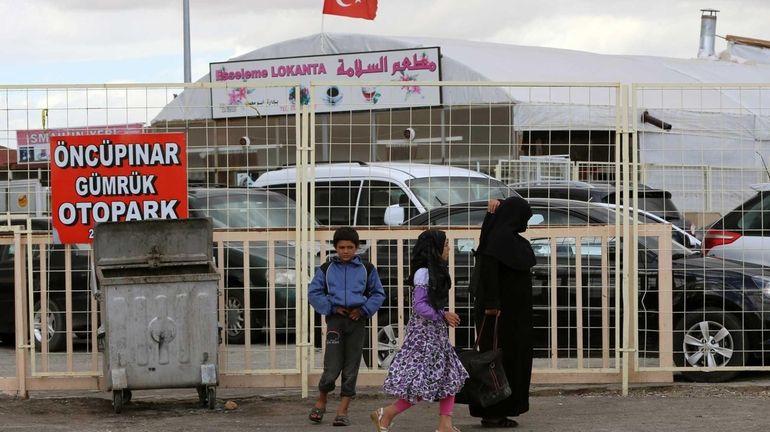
x: 110, y: 178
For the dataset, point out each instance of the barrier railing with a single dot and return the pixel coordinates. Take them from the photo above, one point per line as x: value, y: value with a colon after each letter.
x: 576, y: 300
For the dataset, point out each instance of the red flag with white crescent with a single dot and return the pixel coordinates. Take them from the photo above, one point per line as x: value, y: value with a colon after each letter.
x: 366, y: 9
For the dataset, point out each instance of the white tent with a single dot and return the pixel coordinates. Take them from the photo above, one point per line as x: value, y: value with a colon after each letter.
x: 715, y: 126
x: 484, y: 61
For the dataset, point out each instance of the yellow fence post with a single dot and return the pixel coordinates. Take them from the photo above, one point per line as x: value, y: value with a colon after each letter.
x: 627, y: 253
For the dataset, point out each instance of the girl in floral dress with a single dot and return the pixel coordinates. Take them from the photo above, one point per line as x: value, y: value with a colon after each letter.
x: 426, y: 367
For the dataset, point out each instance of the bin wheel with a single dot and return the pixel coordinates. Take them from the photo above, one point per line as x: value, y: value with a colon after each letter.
x: 211, y: 396
x: 202, y: 397
x: 117, y: 401
x: 127, y: 395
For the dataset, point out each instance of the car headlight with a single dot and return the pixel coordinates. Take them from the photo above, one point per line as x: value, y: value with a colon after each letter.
x: 285, y: 277
x: 764, y: 284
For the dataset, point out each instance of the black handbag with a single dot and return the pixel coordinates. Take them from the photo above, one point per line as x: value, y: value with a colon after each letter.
x: 487, y: 384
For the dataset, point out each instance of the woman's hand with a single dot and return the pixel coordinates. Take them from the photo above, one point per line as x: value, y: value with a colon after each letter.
x: 492, y: 205
x: 452, y: 319
x: 492, y: 312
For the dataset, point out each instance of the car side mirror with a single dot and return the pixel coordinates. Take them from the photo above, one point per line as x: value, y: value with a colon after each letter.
x: 394, y: 215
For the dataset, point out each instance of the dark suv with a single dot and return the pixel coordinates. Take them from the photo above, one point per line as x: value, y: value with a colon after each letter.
x: 655, y: 201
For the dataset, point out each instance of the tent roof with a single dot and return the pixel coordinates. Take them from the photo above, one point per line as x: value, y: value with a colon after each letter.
x: 483, y: 61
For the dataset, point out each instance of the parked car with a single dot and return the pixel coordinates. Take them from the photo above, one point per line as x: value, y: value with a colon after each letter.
x: 470, y: 214
x: 229, y: 209
x: 744, y: 233
x: 360, y: 193
x: 718, y: 305
x: 678, y: 234
x: 239, y: 208
x: 55, y: 276
x: 655, y: 201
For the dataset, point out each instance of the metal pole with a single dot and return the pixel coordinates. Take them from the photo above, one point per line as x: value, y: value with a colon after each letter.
x: 186, y: 31
x: 626, y: 291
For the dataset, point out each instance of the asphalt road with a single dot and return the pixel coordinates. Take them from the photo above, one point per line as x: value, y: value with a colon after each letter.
x: 740, y: 406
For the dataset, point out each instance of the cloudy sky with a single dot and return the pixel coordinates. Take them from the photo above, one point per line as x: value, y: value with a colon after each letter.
x: 108, y: 41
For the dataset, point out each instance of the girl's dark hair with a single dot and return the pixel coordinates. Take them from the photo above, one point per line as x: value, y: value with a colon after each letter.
x: 345, y: 233
x: 427, y: 253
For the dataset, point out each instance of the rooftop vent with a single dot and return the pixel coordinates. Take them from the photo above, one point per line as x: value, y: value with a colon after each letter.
x: 708, y: 31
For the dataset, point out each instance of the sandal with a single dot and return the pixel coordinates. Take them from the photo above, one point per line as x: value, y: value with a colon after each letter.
x: 502, y: 422
x: 376, y: 417
x: 341, y: 420
x: 316, y: 414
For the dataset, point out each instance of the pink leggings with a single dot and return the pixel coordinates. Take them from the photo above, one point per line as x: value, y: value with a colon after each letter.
x: 445, y: 407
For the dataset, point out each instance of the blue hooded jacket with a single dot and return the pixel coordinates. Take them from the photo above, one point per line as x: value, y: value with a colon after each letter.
x: 347, y: 284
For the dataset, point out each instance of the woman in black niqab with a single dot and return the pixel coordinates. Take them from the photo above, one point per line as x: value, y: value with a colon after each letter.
x: 500, y: 234
x: 505, y: 291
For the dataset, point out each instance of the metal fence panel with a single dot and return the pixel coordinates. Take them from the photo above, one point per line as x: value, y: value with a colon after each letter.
x: 547, y: 133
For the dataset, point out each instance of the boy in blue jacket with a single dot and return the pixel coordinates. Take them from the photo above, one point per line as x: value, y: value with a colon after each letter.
x: 347, y: 291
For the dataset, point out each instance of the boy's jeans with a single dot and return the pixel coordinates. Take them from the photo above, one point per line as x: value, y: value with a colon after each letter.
x: 344, y: 346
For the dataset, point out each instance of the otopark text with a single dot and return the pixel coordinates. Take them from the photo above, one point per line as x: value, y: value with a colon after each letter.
x: 116, y: 178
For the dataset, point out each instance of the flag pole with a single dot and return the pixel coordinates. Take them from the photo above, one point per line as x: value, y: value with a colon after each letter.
x: 186, y: 37
x: 323, y: 45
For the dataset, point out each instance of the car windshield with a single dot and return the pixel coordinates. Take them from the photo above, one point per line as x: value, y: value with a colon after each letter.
x: 247, y: 210
x: 438, y: 191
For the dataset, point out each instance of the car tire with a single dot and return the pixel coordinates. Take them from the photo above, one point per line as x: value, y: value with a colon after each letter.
x: 57, y: 337
x: 709, y: 337
x: 387, y: 345
x: 235, y: 316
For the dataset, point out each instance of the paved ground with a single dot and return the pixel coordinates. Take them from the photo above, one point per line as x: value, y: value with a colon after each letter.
x: 740, y: 406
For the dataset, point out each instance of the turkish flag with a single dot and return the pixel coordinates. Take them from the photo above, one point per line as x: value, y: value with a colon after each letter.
x: 366, y: 9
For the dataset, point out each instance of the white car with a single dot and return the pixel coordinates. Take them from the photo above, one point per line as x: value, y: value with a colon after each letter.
x: 380, y: 193
x: 744, y: 233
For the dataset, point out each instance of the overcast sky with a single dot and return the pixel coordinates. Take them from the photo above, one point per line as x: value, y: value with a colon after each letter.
x: 108, y: 41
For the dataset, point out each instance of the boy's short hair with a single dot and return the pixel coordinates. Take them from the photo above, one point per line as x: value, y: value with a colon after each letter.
x: 346, y: 233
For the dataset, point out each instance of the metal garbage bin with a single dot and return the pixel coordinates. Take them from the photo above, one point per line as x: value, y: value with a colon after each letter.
x: 157, y: 287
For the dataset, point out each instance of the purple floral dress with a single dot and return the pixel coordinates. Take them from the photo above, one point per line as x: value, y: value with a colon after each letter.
x: 426, y: 367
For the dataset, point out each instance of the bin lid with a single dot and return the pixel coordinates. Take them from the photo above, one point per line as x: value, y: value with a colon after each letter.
x: 153, y: 243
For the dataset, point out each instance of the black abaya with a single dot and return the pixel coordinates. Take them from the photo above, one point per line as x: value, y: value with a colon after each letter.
x: 510, y: 291
x: 506, y: 285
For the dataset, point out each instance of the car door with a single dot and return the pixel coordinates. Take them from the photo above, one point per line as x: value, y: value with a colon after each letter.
x: 336, y: 202
x: 375, y: 197
x: 565, y: 301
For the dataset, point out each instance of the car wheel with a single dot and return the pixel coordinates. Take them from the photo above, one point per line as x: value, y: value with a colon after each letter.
x: 235, y: 317
x: 709, y: 338
x: 387, y: 345
x: 57, y: 337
